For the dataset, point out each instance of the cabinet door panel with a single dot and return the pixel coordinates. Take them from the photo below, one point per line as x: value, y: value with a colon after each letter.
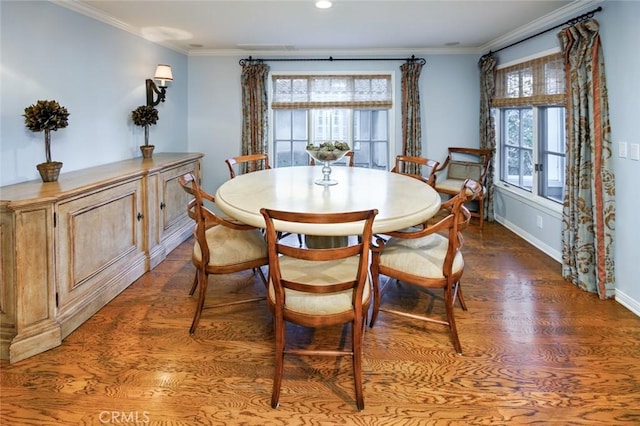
x: 175, y: 199
x: 113, y: 223
x: 99, y: 235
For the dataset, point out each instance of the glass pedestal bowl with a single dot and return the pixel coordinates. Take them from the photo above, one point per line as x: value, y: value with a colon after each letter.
x: 326, y: 157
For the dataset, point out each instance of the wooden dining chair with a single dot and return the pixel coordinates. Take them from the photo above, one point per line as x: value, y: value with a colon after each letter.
x: 428, y: 258
x: 247, y: 163
x: 319, y: 287
x: 348, y: 156
x: 251, y: 163
x: 461, y: 164
x: 425, y: 166
x: 222, y: 246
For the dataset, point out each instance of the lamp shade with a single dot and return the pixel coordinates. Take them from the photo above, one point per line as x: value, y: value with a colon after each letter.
x: 163, y: 73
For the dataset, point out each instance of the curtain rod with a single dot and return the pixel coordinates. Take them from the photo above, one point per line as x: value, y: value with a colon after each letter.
x: 573, y: 21
x: 249, y: 60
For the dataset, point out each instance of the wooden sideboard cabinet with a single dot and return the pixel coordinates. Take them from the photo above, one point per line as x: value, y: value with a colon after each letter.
x: 71, y: 246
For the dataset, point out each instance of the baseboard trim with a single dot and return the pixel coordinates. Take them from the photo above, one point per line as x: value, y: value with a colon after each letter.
x: 548, y: 250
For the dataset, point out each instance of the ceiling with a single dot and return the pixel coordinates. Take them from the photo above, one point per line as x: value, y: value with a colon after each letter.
x: 209, y: 27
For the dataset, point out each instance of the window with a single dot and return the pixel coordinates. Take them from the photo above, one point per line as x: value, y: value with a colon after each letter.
x: 530, y: 113
x: 314, y: 109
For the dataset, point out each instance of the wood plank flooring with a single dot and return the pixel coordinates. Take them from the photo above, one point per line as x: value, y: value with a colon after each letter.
x: 537, y: 350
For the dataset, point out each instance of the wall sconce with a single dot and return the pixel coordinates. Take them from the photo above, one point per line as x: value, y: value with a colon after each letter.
x: 163, y: 74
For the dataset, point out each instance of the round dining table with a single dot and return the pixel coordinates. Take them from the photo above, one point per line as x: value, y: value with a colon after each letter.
x: 401, y: 200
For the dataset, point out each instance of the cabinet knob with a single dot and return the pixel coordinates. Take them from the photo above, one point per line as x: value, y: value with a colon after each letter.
x: 162, y: 206
x: 140, y: 216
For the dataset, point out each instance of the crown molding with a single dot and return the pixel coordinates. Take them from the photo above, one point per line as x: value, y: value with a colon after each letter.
x: 91, y: 12
x: 567, y: 12
x: 336, y: 53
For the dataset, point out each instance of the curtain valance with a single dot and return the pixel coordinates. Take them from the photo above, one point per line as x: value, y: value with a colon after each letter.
x: 332, y: 91
x: 536, y: 82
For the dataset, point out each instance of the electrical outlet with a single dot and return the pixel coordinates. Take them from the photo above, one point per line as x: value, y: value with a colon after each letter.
x: 622, y: 150
x: 539, y: 221
x: 634, y: 151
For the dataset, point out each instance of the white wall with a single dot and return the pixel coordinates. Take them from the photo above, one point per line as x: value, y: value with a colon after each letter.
x: 97, y: 72
x: 620, y: 36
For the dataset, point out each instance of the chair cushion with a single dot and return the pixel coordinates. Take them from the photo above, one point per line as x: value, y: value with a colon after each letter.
x: 452, y: 186
x: 319, y: 273
x: 423, y: 257
x: 230, y: 246
x: 463, y: 170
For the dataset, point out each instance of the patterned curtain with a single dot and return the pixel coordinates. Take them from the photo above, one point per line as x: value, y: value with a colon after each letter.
x: 255, y: 106
x: 487, y: 65
x: 589, y: 201
x: 411, y: 128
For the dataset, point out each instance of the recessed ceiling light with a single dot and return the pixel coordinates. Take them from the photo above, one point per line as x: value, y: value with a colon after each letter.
x: 323, y: 4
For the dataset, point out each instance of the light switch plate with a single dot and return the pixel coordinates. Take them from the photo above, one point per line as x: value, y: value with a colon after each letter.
x: 634, y: 151
x: 622, y: 150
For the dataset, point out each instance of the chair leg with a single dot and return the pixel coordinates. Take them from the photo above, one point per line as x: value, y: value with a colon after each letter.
x: 262, y: 277
x: 356, y: 344
x: 458, y: 294
x: 195, y: 284
x: 375, y: 281
x: 300, y: 240
x: 449, y: 301
x: 202, y: 278
x: 481, y: 210
x: 280, y: 331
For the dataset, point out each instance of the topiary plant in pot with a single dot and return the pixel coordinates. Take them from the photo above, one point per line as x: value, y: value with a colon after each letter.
x: 47, y: 116
x: 145, y: 116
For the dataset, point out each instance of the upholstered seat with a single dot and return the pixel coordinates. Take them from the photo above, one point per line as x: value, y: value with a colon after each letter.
x: 420, y: 257
x: 319, y: 274
x: 231, y: 247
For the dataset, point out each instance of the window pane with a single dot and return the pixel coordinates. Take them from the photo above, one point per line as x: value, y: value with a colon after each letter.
x: 554, y: 185
x: 362, y: 155
x: 361, y: 125
x: 299, y: 124
x: 379, y: 126
x: 379, y: 156
x: 300, y: 156
x: 283, y: 153
x: 517, y: 158
x: 555, y: 127
x: 513, y: 127
x: 552, y: 157
x: 527, y: 127
x: 527, y: 169
x: 282, y: 123
x: 513, y: 166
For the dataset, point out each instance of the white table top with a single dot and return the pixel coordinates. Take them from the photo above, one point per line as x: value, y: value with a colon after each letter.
x: 401, y: 200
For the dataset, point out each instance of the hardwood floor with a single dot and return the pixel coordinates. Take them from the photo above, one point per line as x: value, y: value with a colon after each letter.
x: 537, y: 350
